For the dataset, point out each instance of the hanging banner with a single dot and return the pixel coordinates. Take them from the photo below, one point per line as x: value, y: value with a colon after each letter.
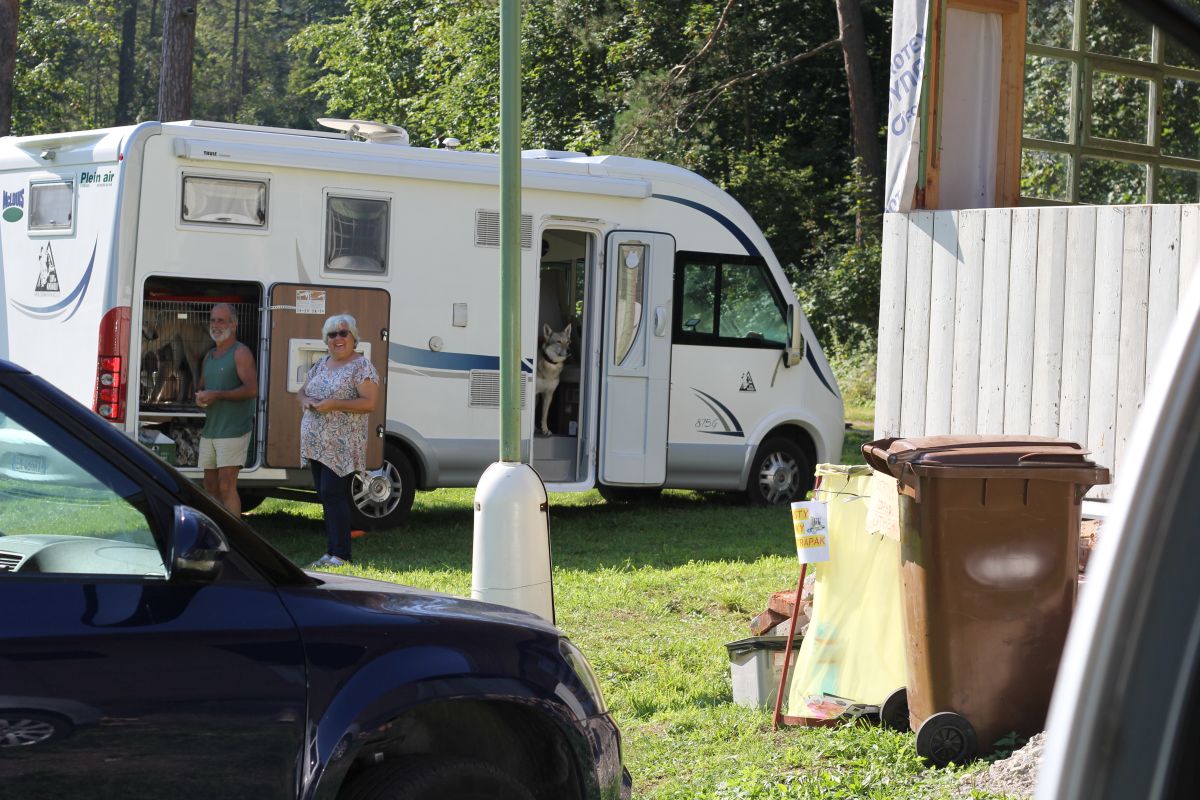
x: 907, y: 68
x: 810, y: 520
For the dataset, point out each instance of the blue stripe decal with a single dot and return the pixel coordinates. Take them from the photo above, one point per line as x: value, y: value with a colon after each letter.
x: 430, y: 359
x: 729, y: 225
x: 721, y: 408
x: 76, y: 296
x: 812, y: 359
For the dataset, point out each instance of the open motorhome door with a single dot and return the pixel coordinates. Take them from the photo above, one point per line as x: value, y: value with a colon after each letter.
x: 637, y: 358
x: 297, y: 314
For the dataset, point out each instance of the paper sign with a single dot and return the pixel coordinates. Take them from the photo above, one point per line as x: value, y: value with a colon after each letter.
x: 810, y: 521
x: 883, y: 515
x: 310, y: 301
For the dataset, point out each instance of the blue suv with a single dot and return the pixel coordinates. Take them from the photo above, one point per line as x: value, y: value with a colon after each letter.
x: 153, y: 646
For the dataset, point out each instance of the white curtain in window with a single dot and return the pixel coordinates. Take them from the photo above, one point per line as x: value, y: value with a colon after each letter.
x: 970, y: 110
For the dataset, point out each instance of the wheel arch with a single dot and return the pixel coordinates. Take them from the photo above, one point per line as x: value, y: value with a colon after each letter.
x: 800, y: 433
x: 528, y: 739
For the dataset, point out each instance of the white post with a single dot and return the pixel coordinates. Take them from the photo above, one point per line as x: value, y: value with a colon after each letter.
x: 510, y: 562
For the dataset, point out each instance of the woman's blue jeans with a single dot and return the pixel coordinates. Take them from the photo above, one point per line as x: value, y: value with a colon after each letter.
x: 334, y: 492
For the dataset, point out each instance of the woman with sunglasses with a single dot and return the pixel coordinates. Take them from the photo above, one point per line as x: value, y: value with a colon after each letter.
x: 340, y: 391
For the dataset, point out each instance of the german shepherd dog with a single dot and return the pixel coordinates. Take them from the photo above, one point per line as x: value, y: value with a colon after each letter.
x: 179, y: 346
x: 553, y: 355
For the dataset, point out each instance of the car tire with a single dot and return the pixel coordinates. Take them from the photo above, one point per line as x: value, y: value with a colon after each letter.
x: 26, y: 728
x: 385, y: 497
x: 435, y: 779
x: 624, y: 495
x: 781, y: 473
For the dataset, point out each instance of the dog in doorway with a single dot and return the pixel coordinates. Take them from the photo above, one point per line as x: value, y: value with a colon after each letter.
x: 179, y: 344
x: 554, y: 353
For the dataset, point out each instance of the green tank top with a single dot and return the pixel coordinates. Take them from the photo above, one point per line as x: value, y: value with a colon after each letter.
x: 226, y: 419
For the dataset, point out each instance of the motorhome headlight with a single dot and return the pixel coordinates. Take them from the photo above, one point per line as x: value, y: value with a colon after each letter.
x: 583, y: 670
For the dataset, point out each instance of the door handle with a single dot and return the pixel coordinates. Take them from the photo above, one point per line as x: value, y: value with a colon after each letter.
x: 660, y: 320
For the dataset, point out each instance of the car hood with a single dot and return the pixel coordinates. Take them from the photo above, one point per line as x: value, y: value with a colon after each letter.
x: 372, y: 597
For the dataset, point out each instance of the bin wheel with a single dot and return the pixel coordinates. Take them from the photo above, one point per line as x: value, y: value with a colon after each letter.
x: 946, y: 737
x: 893, y: 714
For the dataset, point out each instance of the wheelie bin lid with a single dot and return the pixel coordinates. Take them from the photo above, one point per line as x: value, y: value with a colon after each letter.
x: 982, y: 456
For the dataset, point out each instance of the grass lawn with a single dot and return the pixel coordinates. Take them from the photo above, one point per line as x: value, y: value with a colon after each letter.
x: 652, y: 594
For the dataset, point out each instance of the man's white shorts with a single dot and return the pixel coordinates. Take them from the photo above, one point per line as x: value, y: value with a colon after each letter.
x: 217, y: 453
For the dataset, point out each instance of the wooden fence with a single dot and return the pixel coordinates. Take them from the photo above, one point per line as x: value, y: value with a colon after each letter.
x: 1028, y: 320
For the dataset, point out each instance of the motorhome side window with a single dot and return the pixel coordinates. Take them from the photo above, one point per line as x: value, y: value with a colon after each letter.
x: 51, y: 206
x: 356, y: 234
x: 727, y: 300
x: 224, y: 201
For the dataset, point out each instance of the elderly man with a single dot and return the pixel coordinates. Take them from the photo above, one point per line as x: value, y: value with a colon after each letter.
x: 228, y: 393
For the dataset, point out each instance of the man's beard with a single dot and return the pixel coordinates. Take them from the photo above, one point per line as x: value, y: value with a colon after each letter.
x: 219, y: 336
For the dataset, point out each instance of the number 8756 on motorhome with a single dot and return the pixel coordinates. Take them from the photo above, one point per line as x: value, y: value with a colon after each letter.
x: 657, y: 326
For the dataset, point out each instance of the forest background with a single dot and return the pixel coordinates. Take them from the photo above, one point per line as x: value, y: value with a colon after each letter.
x: 775, y: 101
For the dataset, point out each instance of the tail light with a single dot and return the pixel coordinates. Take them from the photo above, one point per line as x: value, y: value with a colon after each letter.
x: 112, y: 364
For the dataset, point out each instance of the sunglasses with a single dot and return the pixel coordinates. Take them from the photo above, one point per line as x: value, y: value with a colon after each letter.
x: 337, y: 334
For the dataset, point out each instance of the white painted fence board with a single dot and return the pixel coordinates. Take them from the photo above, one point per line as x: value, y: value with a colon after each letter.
x: 993, y: 332
x: 941, y: 322
x: 1135, y: 290
x: 1077, y: 324
x: 1048, y: 321
x: 889, y: 361
x: 968, y: 300
x: 1163, y: 295
x: 918, y: 277
x: 1189, y: 246
x: 1044, y: 319
x: 1106, y: 334
x: 1022, y: 284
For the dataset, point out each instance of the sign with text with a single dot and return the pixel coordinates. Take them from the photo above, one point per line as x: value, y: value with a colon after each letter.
x: 810, y: 522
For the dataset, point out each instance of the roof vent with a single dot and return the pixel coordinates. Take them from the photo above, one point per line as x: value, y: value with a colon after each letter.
x: 365, y: 130
x: 552, y: 154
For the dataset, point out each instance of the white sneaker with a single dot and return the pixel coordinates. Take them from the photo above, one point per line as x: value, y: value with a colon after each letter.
x: 323, y: 561
x: 334, y: 561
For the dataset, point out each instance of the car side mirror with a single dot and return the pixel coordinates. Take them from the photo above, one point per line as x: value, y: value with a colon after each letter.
x: 794, y: 353
x: 197, y: 545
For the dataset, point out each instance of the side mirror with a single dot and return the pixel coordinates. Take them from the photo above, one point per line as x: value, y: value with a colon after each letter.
x: 197, y: 545
x: 794, y: 353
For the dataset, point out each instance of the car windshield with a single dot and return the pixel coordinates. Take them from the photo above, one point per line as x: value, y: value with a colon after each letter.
x: 56, y: 492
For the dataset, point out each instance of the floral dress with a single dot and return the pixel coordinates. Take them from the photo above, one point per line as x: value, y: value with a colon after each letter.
x: 338, y: 439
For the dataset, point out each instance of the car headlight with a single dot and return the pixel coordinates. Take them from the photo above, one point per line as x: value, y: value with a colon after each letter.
x: 583, y: 670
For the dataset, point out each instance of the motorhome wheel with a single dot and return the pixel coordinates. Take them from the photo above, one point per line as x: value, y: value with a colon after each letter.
x: 781, y: 473
x: 383, y: 497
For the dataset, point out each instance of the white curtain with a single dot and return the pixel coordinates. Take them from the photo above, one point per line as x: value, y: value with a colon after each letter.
x: 970, y: 110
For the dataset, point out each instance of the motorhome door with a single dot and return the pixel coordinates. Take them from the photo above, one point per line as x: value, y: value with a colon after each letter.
x: 297, y: 314
x: 637, y: 358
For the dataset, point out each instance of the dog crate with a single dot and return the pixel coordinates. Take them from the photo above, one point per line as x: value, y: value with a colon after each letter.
x: 174, y: 341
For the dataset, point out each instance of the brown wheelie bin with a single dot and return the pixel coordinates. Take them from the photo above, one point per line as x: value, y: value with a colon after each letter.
x: 989, y: 538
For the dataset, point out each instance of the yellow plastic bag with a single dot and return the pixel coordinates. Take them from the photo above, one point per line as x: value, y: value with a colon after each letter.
x: 854, y: 648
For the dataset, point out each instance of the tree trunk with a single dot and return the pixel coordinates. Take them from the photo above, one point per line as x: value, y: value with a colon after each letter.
x: 10, y: 14
x: 126, y: 79
x: 245, y: 86
x: 862, y: 108
x: 234, y: 67
x: 178, y: 44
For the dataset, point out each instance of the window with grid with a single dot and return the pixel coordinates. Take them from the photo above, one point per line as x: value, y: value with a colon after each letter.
x: 1112, y: 108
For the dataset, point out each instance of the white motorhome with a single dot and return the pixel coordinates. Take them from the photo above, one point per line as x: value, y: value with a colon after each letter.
x: 692, y: 365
